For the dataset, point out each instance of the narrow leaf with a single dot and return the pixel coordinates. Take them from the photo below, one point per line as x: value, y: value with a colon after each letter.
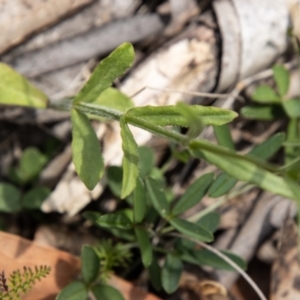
x: 10, y: 198
x: 223, y: 136
x: 114, y: 177
x: 222, y: 185
x: 205, y: 257
x: 264, y: 113
x: 171, y: 115
x: 130, y: 160
x: 282, y: 79
x: 87, y: 156
x: 265, y: 94
x: 106, y: 72
x: 144, y: 245
x: 291, y: 152
x: 74, y: 291
x: 269, y: 147
x: 92, y: 216
x: 146, y: 160
x: 139, y: 202
x: 157, y: 197
x: 247, y: 171
x: 155, y: 275
x: 210, y: 221
x: 193, y: 194
x: 106, y: 292
x: 171, y: 273
x: 192, y: 230
x: 17, y: 90
x: 116, y: 220
x: 89, y: 264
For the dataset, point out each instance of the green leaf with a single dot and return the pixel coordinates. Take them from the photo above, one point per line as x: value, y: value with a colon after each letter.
x: 269, y: 147
x: 292, y: 107
x: 34, y: 198
x: 265, y: 94
x: 74, y: 291
x: 106, y: 72
x: 247, y: 171
x: 157, y: 197
x: 17, y: 90
x: 208, y: 258
x: 222, y: 185
x: 139, y: 202
x: 292, y: 152
x: 87, y: 156
x: 116, y: 220
x: 106, y: 292
x: 261, y: 112
x: 193, y: 194
x: 171, y: 115
x: 210, y: 221
x: 181, y: 155
x: 282, y: 79
x: 171, y: 273
x: 89, y: 264
x: 223, y: 136
x: 146, y: 160
x: 130, y: 160
x: 144, y: 245
x: 92, y: 216
x: 114, y: 99
x: 194, y: 120
x: 30, y: 165
x: 192, y: 230
x: 114, y: 176
x: 9, y: 198
x: 155, y: 275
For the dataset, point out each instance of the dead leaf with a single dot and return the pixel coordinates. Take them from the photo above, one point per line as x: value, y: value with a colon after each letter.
x: 16, y: 252
x: 19, y: 18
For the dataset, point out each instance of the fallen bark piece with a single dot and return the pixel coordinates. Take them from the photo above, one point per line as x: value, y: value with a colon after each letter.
x: 94, y: 15
x: 285, y: 282
x: 255, y: 229
x: 94, y: 43
x: 19, y: 252
x: 20, y: 18
x: 249, y: 28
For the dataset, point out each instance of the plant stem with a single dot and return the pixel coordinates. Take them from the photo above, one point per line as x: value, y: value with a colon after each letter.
x: 216, y: 149
x: 98, y: 110
x: 158, y: 130
x: 62, y: 105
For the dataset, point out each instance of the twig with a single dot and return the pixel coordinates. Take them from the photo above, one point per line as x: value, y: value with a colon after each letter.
x: 200, y: 94
x: 229, y: 261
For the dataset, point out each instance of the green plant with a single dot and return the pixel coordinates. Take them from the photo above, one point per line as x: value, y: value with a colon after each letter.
x: 153, y: 220
x: 273, y: 104
x: 12, y: 200
x: 92, y: 276
x: 19, y: 283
